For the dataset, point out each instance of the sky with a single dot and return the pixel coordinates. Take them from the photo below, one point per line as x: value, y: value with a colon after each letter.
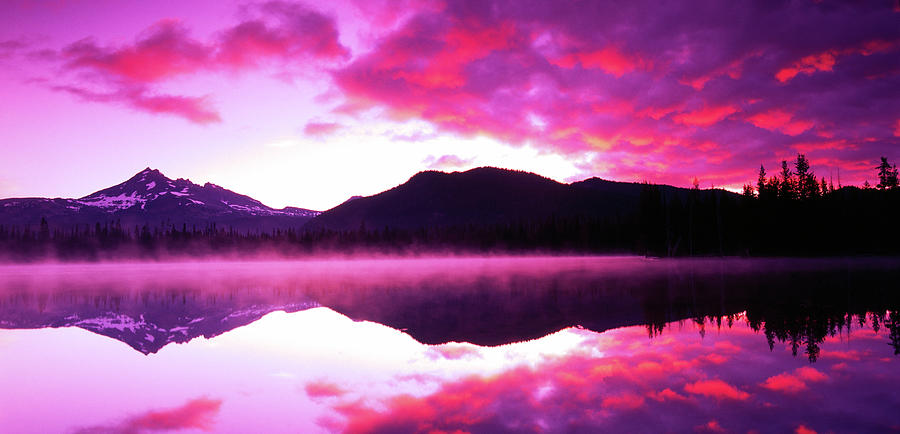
x: 308, y: 103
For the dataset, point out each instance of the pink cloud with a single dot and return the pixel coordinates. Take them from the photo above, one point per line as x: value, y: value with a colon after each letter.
x: 711, y: 426
x: 810, y: 374
x: 794, y: 382
x: 323, y: 389
x: 194, y: 109
x: 780, y: 120
x: 668, y: 395
x: 706, y: 116
x: 785, y: 383
x: 321, y: 128
x: 282, y: 33
x: 807, y: 65
x: 608, y: 59
x: 732, y: 70
x: 716, y: 389
x: 825, y: 61
x: 296, y: 33
x: 197, y: 413
x: 802, y: 429
x: 850, y: 355
x: 161, y: 51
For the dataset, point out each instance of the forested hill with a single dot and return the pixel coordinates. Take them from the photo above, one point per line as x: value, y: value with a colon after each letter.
x: 485, y: 196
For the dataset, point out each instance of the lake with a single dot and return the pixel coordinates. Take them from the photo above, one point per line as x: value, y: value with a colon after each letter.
x: 459, y: 344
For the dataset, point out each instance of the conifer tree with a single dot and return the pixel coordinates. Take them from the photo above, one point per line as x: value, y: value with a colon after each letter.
x: 807, y: 186
x: 887, y: 175
x: 773, y: 187
x: 787, y: 188
x: 748, y: 191
x: 761, y: 185
x: 761, y: 180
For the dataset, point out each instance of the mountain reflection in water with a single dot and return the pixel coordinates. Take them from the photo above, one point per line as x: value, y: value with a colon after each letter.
x: 484, y: 345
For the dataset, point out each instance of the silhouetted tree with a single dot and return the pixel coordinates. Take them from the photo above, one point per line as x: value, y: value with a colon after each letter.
x: 748, y: 191
x: 788, y: 188
x: 773, y: 187
x: 807, y: 187
x: 766, y: 189
x: 761, y: 179
x: 887, y: 175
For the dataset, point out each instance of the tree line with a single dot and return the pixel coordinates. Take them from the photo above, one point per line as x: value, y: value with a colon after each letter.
x: 788, y: 214
x: 112, y: 240
x: 801, y: 183
x: 791, y: 213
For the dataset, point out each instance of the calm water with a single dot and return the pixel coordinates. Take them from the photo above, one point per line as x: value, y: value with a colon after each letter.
x: 452, y: 345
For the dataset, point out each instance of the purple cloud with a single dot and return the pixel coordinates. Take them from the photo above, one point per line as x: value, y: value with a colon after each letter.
x: 662, y: 91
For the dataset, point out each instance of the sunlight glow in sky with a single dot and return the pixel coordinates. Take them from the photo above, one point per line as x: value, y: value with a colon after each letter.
x: 305, y: 104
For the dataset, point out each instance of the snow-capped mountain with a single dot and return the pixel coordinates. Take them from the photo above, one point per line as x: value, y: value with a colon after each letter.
x: 151, y: 188
x: 149, y: 197
x: 147, y: 329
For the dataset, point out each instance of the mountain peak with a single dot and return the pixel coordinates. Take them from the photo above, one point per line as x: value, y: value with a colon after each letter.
x: 150, y: 190
x: 151, y: 197
x: 149, y: 173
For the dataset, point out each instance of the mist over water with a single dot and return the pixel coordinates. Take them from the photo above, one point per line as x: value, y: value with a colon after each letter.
x: 405, y: 344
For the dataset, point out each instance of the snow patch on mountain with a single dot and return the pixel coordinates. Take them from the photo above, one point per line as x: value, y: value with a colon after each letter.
x: 112, y: 321
x: 150, y: 185
x: 118, y: 202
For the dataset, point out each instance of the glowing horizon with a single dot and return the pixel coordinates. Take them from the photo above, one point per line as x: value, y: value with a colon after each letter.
x: 301, y: 104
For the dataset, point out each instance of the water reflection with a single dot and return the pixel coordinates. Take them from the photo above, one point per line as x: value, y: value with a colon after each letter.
x: 620, y: 382
x: 485, y: 301
x: 317, y: 371
x: 479, y: 345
